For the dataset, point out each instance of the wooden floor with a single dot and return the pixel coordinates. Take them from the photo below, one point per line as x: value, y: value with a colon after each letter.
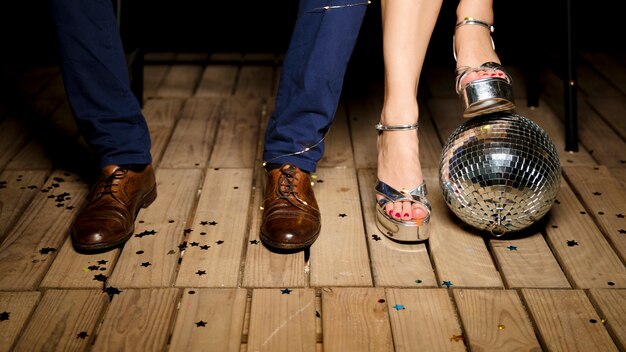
x: 195, y: 276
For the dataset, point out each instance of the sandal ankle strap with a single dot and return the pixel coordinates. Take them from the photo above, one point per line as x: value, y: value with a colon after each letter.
x: 471, y: 20
x: 380, y: 127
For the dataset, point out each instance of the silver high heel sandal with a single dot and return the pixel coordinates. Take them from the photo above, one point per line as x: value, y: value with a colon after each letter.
x: 398, y: 230
x: 484, y: 95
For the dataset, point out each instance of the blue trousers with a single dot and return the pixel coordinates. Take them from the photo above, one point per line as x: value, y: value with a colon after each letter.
x: 312, y: 77
x: 96, y: 81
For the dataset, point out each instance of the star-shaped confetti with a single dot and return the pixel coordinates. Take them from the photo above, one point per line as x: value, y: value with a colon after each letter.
x: 418, y: 281
x: 187, y: 231
x: 102, y: 262
x: 399, y: 307
x: 182, y: 246
x: 82, y: 335
x: 342, y: 215
x: 447, y: 283
x: 597, y: 193
x: 201, y: 272
x: 194, y: 244
x: 205, y: 247
x: 285, y: 291
x: 93, y: 267
x: 100, y: 277
x: 111, y: 291
x: 376, y: 238
x: 621, y: 216
x: 219, y: 242
x: 201, y: 323
x: 622, y: 231
x: 4, y: 316
x: 146, y: 233
x: 254, y: 242
x: 204, y: 223
x: 46, y: 250
x: 213, y: 223
x: 512, y: 248
x: 146, y: 264
x: 572, y: 243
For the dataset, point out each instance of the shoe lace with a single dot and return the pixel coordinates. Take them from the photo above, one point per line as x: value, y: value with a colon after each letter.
x: 107, y: 185
x: 287, y: 189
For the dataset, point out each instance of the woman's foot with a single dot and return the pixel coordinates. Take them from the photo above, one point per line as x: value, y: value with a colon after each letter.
x: 399, y: 167
x: 474, y: 47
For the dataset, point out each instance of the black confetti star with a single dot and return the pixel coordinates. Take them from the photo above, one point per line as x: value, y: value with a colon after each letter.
x: 3, y: 184
x: 200, y: 323
x: 622, y: 231
x: 146, y: 233
x: 182, y: 246
x: 146, y: 264
x: 202, y: 233
x: 219, y: 242
x: 194, y: 244
x: 597, y: 193
x: 317, y: 314
x: 100, y: 277
x: 60, y: 205
x: 213, y: 223
x: 376, y: 238
x: 342, y: 215
x: 201, y: 272
x: 205, y: 247
x: 46, y: 250
x: 572, y: 243
x: 285, y: 291
x: 4, y: 316
x: 102, y: 262
x: 32, y: 187
x: 204, y: 223
x: 93, y: 267
x: 187, y: 231
x: 82, y: 335
x: 621, y: 216
x: 320, y: 181
x: 59, y: 179
x: 254, y: 242
x: 111, y: 291
x: 69, y: 207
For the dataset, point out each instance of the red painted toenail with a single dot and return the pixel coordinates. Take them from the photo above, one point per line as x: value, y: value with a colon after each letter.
x: 406, y: 215
x: 390, y: 212
x: 493, y: 74
x: 398, y: 215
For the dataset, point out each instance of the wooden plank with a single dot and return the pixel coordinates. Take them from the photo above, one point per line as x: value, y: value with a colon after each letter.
x: 180, y: 81
x: 611, y: 304
x: 393, y: 264
x: 355, y: 319
x: 550, y: 123
x: 161, y: 116
x: 192, y: 140
x: 339, y: 255
x: 337, y: 146
x: 612, y: 111
x: 495, y: 320
x: 364, y: 113
x: 458, y: 252
x: 63, y: 321
x: 605, y: 199
x: 576, y: 242
x: 528, y: 262
x: 565, y: 321
x: 619, y: 173
x: 71, y: 269
x: 29, y: 248
x: 150, y: 257
x: 138, y: 320
x: 255, y: 81
x: 446, y: 115
x: 214, y: 245
x: 209, y: 320
x: 423, y: 320
x: 282, y: 320
x: 153, y: 76
x: 15, y: 309
x: 34, y: 155
x: 217, y: 80
x: 429, y: 143
x: 237, y: 136
x: 36, y: 78
x: 265, y: 268
x: 13, y: 136
x: 609, y: 67
x: 604, y: 144
x: 17, y: 189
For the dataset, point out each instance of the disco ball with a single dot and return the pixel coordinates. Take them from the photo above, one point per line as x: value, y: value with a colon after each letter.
x: 499, y: 172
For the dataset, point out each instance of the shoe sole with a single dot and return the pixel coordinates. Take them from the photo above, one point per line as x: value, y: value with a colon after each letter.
x: 102, y: 247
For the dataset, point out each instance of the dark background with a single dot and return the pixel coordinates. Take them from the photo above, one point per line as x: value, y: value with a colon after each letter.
x: 524, y: 29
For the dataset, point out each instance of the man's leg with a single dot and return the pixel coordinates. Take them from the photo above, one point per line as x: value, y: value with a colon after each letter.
x: 110, y: 119
x: 310, y: 86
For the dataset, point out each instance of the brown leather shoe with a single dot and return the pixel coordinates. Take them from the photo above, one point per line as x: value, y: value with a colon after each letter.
x: 108, y: 218
x: 291, y: 217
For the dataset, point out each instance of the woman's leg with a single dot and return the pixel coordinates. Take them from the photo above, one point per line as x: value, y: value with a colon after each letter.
x: 472, y: 42
x: 407, y: 27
